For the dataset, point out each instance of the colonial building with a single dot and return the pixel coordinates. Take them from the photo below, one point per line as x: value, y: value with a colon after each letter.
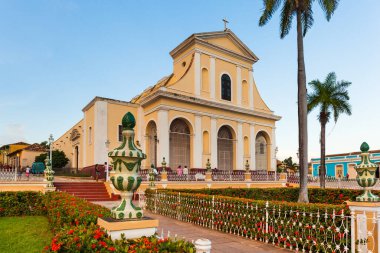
x: 7, y: 149
x: 208, y: 108
x: 339, y: 165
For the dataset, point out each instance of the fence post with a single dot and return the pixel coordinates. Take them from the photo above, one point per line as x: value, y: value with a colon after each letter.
x: 179, y: 207
x: 212, y: 212
x: 155, y: 202
x: 202, y: 246
x: 266, y: 216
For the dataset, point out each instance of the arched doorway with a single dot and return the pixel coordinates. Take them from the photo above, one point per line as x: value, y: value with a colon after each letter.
x: 261, y: 152
x: 179, y: 144
x: 225, y: 148
x: 151, y: 135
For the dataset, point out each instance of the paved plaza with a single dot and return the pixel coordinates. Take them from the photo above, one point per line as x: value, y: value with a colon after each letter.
x: 221, y: 242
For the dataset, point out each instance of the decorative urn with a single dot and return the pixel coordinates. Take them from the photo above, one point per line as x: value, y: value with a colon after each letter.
x: 366, y: 175
x: 126, y: 161
x: 49, y: 173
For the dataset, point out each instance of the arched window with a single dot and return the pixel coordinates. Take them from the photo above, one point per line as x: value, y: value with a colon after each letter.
x: 226, y: 87
x: 179, y: 144
x: 151, y: 135
x: 90, y: 135
x: 245, y: 91
x: 206, y: 143
x: 261, y: 152
x: 205, y: 80
x: 225, y: 149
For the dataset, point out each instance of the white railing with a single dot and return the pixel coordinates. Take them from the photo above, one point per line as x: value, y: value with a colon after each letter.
x: 11, y: 174
x: 217, y: 175
x: 284, y: 227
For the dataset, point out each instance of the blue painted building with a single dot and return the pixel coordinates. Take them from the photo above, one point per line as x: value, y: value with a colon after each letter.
x: 339, y: 165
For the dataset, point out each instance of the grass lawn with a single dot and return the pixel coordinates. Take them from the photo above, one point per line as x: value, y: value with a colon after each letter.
x: 24, y: 234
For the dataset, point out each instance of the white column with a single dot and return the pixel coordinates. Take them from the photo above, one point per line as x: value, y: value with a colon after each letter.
x: 198, y: 143
x: 273, y: 150
x: 214, y: 144
x: 212, y: 77
x: 238, y: 85
x: 253, y: 147
x: 100, y: 132
x: 240, y: 147
x: 251, y: 104
x: 197, y: 74
x: 163, y: 137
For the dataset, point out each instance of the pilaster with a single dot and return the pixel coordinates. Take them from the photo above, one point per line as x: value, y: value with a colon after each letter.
x: 198, y: 142
x: 100, y: 132
x: 214, y: 144
x: 197, y: 74
x: 273, y: 151
x: 251, y: 102
x: 253, y: 146
x: 238, y: 85
x: 163, y: 136
x: 240, y: 147
x: 212, y: 77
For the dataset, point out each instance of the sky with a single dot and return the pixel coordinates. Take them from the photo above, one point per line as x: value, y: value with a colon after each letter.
x: 57, y: 55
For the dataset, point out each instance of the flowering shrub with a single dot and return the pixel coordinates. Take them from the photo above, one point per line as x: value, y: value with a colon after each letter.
x: 67, y: 210
x: 316, y: 195
x: 308, y: 227
x: 21, y: 203
x: 73, y: 219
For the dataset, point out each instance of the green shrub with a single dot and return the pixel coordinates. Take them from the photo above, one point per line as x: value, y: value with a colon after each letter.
x: 316, y: 195
x: 21, y: 203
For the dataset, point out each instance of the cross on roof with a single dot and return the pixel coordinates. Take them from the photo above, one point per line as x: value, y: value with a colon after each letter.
x: 225, y: 23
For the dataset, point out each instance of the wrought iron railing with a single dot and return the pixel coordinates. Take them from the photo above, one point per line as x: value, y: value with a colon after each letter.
x: 294, y: 229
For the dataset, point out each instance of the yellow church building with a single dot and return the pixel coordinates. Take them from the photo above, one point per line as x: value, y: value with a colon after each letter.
x: 208, y: 108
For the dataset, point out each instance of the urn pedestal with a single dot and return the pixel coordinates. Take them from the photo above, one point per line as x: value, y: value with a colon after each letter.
x: 127, y: 218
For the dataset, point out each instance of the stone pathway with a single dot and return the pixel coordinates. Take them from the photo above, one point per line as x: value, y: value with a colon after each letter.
x: 221, y: 242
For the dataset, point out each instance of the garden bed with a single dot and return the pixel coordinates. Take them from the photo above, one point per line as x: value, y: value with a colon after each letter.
x: 73, y: 223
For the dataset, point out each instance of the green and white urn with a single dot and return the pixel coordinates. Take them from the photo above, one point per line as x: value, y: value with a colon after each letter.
x: 124, y: 176
x: 366, y: 175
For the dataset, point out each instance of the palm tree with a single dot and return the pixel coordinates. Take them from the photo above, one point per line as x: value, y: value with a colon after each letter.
x: 332, y: 98
x: 302, y: 10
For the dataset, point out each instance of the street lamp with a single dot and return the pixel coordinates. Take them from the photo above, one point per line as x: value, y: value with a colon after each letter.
x: 106, y: 165
x: 51, y: 139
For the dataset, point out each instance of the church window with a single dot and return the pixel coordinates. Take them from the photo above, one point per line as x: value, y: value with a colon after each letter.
x: 226, y: 87
x: 90, y: 135
x: 205, y: 80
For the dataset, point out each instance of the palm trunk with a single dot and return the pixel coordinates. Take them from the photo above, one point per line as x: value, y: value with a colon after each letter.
x: 322, y: 170
x: 302, y: 114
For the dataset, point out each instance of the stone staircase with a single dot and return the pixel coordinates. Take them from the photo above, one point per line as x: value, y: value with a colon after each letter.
x: 91, y: 191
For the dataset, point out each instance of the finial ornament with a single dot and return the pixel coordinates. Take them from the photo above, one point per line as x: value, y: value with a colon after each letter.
x: 124, y: 176
x: 366, y: 175
x: 364, y: 147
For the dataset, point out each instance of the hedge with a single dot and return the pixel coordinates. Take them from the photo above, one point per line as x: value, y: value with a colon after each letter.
x: 326, y: 196
x: 21, y: 204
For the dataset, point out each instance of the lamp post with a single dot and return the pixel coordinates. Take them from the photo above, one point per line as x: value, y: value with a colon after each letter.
x: 275, y: 162
x: 107, y: 143
x: 51, y: 139
x: 17, y: 165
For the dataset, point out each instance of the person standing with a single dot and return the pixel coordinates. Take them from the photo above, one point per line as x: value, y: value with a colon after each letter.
x: 186, y: 172
x: 97, y: 172
x: 27, y: 172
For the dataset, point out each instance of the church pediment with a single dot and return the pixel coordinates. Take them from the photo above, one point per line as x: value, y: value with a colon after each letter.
x: 225, y: 41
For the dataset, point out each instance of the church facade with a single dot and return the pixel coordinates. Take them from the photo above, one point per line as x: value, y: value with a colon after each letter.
x: 208, y: 108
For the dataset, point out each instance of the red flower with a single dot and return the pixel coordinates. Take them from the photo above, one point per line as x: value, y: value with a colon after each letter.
x: 93, y: 246
x: 112, y: 249
x: 71, y: 231
x: 104, y: 244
